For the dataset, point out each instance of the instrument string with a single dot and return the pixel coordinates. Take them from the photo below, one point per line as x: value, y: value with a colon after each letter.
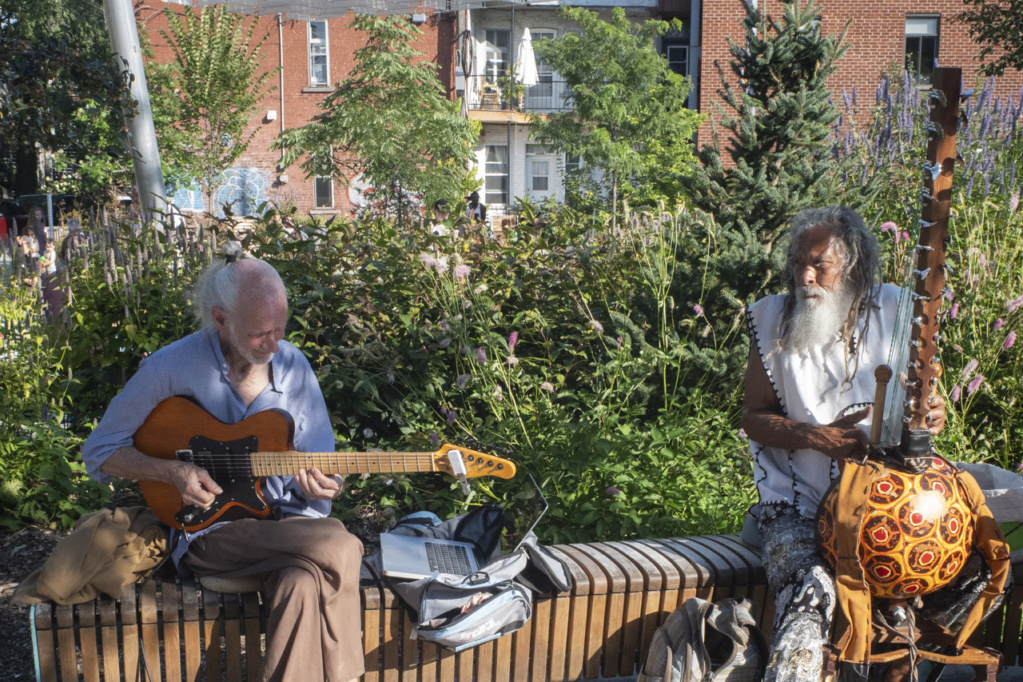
x: 898, y: 354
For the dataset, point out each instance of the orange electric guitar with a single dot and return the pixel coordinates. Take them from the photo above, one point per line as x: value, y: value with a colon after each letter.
x: 238, y: 457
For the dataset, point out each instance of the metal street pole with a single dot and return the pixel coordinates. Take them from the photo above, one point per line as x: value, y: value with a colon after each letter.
x: 124, y: 39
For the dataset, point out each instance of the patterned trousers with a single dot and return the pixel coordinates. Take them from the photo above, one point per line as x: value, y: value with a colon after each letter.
x: 803, y: 588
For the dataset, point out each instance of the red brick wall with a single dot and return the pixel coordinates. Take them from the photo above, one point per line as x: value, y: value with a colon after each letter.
x: 299, y: 104
x: 876, y: 40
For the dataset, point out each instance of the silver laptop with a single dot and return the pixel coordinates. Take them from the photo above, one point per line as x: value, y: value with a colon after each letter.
x: 408, y: 556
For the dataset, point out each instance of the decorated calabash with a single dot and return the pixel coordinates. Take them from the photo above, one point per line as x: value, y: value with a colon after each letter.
x: 915, y: 534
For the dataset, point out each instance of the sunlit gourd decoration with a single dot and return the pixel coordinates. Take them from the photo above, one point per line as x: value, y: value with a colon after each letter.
x: 916, y: 535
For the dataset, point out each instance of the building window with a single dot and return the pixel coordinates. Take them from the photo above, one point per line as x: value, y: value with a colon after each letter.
x: 538, y: 167
x: 496, y: 54
x: 497, y: 174
x: 324, y: 192
x: 319, y: 55
x: 678, y: 58
x: 573, y: 164
x: 921, y: 46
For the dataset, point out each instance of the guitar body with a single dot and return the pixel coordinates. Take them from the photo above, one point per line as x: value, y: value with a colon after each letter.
x: 179, y: 424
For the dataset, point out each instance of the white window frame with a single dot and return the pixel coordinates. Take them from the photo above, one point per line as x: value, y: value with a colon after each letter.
x: 489, y: 197
x: 317, y: 51
x: 547, y: 156
x: 573, y: 163
x: 492, y: 74
x: 920, y: 26
x: 317, y: 180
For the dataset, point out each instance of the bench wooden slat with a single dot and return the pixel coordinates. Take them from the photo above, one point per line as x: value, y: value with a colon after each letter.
x: 392, y: 636
x: 42, y: 621
x: 171, y: 633
x: 502, y: 658
x: 107, y: 608
x: 253, y: 639
x: 190, y: 629
x: 656, y: 577
x: 522, y: 646
x: 632, y: 605
x: 230, y: 616
x: 540, y: 648
x: 68, y: 661
x: 88, y: 642
x: 371, y: 624
x: 211, y: 633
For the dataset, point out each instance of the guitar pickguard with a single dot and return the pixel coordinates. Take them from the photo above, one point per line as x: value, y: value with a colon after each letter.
x: 243, y: 496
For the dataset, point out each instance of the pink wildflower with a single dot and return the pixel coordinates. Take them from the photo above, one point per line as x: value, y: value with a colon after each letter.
x: 955, y: 393
x: 597, y: 327
x: 998, y: 323
x: 613, y: 491
x: 462, y: 271
x: 1013, y: 305
x: 498, y: 393
x: 1009, y: 340
x: 513, y: 338
x: 905, y: 236
x: 890, y: 227
x: 547, y: 386
x: 975, y: 384
x: 481, y: 356
x: 954, y: 312
x: 698, y: 309
x: 512, y: 360
x: 1014, y: 202
x: 461, y: 380
x: 971, y: 366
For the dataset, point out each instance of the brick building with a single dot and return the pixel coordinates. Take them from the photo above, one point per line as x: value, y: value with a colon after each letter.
x: 882, y: 35
x: 312, y: 56
x: 478, y: 44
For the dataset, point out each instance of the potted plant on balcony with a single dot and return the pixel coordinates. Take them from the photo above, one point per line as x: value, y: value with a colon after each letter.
x: 513, y: 91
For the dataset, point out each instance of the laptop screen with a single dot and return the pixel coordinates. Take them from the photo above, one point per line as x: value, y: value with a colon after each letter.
x: 523, y: 509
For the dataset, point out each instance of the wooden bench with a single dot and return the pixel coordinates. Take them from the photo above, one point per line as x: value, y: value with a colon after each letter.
x: 600, y: 629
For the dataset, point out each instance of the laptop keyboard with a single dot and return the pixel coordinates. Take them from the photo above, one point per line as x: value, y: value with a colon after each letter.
x: 445, y: 558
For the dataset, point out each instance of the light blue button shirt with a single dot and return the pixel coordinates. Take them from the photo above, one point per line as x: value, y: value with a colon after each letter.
x: 195, y: 367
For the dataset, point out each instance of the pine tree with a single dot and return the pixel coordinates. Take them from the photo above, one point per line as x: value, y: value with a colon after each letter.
x: 781, y: 122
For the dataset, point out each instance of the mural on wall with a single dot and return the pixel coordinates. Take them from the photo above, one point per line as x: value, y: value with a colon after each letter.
x: 243, y: 189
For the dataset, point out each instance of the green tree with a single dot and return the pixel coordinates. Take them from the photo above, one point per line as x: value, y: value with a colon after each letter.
x: 60, y: 90
x: 389, y: 120
x: 998, y: 26
x: 781, y: 148
x: 629, y: 114
x: 206, y: 96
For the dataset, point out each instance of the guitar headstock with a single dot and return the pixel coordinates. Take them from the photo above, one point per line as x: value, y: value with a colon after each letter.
x: 476, y: 463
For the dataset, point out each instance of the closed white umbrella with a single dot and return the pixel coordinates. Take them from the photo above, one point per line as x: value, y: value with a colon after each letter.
x: 525, y: 69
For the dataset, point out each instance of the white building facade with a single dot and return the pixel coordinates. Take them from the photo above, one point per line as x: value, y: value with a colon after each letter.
x: 492, y: 57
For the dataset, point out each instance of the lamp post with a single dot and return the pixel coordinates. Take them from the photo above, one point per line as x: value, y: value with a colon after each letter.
x: 124, y: 39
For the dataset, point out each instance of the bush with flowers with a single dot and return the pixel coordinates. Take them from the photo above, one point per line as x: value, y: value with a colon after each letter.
x: 609, y: 362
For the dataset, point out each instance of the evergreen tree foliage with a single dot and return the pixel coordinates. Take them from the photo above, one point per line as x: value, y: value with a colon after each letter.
x: 628, y: 117
x: 780, y: 122
x: 391, y: 121
x: 205, y: 97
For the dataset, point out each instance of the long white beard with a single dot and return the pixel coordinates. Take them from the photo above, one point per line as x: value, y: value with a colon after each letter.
x: 818, y: 317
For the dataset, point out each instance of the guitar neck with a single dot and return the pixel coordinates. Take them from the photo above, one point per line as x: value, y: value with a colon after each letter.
x: 342, y: 463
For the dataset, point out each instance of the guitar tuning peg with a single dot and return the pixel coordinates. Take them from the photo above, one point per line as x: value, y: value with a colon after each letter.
x: 937, y: 97
x: 934, y: 131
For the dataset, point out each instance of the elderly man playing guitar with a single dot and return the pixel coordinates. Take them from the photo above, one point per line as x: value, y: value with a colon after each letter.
x: 236, y: 366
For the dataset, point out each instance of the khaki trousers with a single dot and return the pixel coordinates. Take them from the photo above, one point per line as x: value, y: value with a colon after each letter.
x: 311, y: 586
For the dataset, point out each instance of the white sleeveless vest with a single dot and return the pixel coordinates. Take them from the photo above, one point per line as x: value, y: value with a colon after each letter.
x: 811, y: 388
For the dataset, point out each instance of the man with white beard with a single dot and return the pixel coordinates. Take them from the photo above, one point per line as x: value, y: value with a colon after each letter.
x: 809, y: 389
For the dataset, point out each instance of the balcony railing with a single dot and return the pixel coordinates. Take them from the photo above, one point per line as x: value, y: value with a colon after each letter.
x: 483, y: 94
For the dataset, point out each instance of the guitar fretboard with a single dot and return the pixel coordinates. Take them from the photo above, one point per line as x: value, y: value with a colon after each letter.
x: 343, y: 463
